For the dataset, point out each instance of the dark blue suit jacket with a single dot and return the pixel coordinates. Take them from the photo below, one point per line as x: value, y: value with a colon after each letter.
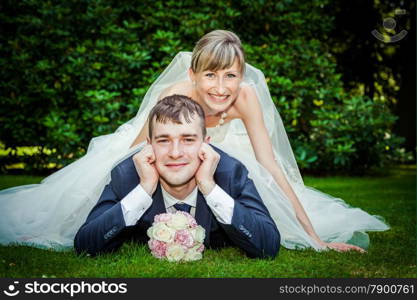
x: 252, y: 228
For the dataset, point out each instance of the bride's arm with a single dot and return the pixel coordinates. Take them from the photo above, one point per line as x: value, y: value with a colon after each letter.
x: 142, y: 135
x: 250, y: 111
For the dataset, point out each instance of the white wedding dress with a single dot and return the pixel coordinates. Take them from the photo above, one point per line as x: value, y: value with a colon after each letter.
x: 48, y: 215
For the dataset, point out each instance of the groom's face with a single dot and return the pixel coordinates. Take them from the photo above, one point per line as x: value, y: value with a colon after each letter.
x: 176, y: 148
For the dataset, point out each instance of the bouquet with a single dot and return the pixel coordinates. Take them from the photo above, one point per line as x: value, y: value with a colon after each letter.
x: 176, y: 237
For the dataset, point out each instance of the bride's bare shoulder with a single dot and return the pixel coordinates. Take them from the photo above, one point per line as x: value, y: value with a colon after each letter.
x: 181, y: 87
x: 247, y: 103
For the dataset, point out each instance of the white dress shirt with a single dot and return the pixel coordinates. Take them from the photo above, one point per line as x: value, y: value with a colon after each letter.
x: 170, y: 201
x: 138, y: 201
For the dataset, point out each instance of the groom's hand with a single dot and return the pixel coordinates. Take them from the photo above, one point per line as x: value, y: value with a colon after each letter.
x: 145, y: 166
x: 204, y: 176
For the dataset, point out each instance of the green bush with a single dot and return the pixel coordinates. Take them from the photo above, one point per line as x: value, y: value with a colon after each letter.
x: 72, y: 70
x: 353, y: 136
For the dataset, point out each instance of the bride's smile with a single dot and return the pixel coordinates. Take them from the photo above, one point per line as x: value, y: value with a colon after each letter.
x: 216, y: 90
x: 219, y: 98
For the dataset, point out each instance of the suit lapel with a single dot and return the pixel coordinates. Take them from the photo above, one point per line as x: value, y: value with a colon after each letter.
x: 203, y: 216
x: 157, y: 207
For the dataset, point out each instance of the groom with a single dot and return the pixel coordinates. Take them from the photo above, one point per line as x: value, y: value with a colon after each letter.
x: 178, y: 170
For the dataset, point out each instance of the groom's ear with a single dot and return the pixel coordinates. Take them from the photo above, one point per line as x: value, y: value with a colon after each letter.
x: 207, y: 139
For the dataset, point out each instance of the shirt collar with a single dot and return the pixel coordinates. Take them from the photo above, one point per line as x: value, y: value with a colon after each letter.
x: 169, y: 200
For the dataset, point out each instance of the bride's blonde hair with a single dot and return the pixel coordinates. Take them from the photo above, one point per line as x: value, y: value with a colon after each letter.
x: 217, y: 50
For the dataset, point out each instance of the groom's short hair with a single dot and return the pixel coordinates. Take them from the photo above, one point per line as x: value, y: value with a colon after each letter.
x: 172, y: 108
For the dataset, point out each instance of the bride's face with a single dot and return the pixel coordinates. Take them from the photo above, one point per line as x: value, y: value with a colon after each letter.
x: 216, y: 90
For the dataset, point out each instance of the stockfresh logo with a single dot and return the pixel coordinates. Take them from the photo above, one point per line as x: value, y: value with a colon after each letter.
x: 11, y: 290
x: 389, y: 35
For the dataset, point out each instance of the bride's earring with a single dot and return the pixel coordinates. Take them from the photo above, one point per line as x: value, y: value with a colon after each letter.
x: 193, y: 83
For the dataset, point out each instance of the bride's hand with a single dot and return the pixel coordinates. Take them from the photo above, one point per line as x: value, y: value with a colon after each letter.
x: 341, y: 247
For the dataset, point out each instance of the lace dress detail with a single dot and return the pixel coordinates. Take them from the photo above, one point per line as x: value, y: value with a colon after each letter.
x: 217, y: 134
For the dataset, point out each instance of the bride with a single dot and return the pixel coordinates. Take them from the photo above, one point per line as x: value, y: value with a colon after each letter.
x: 241, y: 120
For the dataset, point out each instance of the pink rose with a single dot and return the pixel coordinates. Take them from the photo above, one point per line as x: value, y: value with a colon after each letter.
x: 201, y: 248
x: 162, y: 218
x: 183, y: 237
x: 158, y: 248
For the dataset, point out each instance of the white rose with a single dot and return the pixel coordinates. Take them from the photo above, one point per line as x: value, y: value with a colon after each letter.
x: 175, y: 252
x: 198, y: 233
x: 161, y: 232
x: 178, y: 221
x: 149, y: 232
x: 192, y: 255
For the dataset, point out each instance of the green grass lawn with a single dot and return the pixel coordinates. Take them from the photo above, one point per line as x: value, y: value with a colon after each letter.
x: 392, y: 253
